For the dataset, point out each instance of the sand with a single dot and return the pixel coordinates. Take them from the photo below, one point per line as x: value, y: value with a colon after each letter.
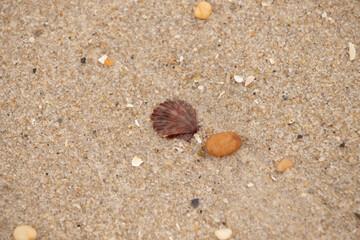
x: 70, y: 130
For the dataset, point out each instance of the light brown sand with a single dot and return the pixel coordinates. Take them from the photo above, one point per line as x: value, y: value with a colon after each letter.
x: 67, y: 137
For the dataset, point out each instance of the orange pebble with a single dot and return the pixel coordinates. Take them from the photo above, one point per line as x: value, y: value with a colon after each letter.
x: 109, y: 62
x: 284, y: 165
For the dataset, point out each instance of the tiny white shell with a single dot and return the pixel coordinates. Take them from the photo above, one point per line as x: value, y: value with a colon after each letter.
x: 136, y: 161
x: 239, y: 79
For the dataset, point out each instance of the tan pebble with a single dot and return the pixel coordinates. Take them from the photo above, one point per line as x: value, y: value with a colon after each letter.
x: 202, y: 10
x: 284, y: 165
x: 223, y: 144
x: 25, y: 232
x: 223, y: 234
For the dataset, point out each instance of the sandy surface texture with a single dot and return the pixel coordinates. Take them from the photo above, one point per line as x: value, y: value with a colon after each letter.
x: 70, y: 128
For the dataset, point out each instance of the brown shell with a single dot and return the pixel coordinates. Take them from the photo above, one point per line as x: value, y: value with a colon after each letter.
x: 175, y: 119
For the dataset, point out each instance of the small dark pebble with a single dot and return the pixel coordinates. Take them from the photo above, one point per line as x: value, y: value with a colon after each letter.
x: 83, y: 60
x: 300, y: 136
x: 269, y: 149
x: 342, y: 145
x: 200, y: 211
x: 34, y: 70
x: 274, y: 70
x: 94, y: 131
x: 357, y: 214
x: 285, y: 97
x: 60, y: 120
x: 195, y: 202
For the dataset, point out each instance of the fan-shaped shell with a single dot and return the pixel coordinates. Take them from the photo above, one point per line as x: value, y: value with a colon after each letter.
x: 175, y: 119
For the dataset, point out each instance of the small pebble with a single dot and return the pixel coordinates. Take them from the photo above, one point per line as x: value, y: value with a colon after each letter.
x: 195, y: 202
x: 31, y: 39
x: 201, y: 87
x: 272, y: 61
x: 109, y: 62
x: 83, y: 60
x: 202, y: 10
x: 238, y: 79
x: 352, y: 51
x: 34, y: 70
x: 223, y: 234
x: 250, y: 185
x: 284, y: 165
x: 136, y: 161
x: 25, y: 232
x: 223, y: 144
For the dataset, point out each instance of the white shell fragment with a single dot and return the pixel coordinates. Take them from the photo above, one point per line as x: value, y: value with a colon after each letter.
x: 129, y: 105
x: 223, y: 234
x: 137, y: 123
x: 197, y: 137
x: 266, y: 3
x: 250, y: 185
x: 201, y: 87
x: 272, y: 61
x: 239, y: 79
x: 222, y: 93
x: 136, y: 161
x: 249, y: 80
x: 352, y: 51
x: 102, y: 59
x: 31, y: 39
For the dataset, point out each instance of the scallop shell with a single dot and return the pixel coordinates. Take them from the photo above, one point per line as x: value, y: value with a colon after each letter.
x: 175, y: 119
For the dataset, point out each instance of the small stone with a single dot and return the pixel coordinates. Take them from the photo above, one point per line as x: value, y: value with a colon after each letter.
x: 352, y: 51
x: 31, y: 39
x: 250, y: 185
x: 249, y: 80
x: 266, y: 3
x: 299, y: 136
x: 136, y: 161
x: 238, y: 79
x: 284, y: 165
x: 223, y: 234
x: 225, y: 200
x: 34, y: 70
x: 25, y: 232
x: 272, y: 61
x: 83, y: 60
x: 195, y: 202
x: 109, y: 62
x: 223, y: 144
x: 201, y: 87
x: 324, y: 15
x: 202, y: 10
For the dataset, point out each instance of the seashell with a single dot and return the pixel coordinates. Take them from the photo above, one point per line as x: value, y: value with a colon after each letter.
x: 175, y: 119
